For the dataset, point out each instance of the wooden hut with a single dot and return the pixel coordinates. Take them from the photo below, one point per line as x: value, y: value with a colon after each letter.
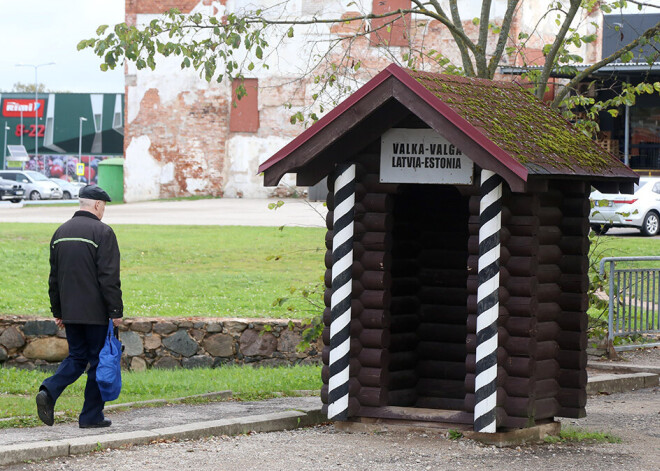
x: 457, y: 250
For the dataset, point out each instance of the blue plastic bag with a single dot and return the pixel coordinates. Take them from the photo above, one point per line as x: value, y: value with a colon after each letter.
x: 108, y: 372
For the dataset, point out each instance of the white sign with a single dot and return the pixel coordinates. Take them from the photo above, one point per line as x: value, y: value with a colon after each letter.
x: 80, y: 169
x: 422, y: 156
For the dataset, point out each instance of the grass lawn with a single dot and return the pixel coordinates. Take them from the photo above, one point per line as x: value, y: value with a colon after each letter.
x: 218, y: 271
x: 18, y: 387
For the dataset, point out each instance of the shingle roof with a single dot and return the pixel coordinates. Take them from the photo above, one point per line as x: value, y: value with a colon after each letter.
x: 499, y: 125
x: 529, y: 131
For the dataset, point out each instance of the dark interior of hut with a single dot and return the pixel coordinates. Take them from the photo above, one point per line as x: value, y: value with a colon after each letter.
x: 428, y: 297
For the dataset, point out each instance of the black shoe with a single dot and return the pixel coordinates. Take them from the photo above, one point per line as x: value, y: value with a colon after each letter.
x: 103, y: 423
x: 45, y: 406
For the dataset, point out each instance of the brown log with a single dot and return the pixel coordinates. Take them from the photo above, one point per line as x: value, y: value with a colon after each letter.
x: 549, y: 254
x: 373, y: 397
x: 548, y: 311
x: 377, y: 202
x: 576, y: 207
x: 519, y: 246
x: 519, y: 387
x: 547, y: 331
x: 372, y: 377
x: 324, y: 394
x: 402, y: 379
x: 373, y: 357
x: 374, y: 299
x: 548, y: 273
x: 522, y: 266
x: 546, y: 350
x: 441, y: 403
x: 573, y: 321
x: 325, y: 355
x: 572, y: 412
x: 519, y: 366
x: 405, y: 286
x: 329, y: 222
x: 531, y: 408
x: 443, y: 314
x: 440, y: 387
x: 550, y: 216
x: 441, y: 369
x: 453, y: 352
x: 374, y: 319
x: 373, y: 260
x: 575, y: 226
x: 573, y: 379
x: 375, y: 338
x: 571, y: 188
x: 402, y: 361
x: 404, y: 305
x: 520, y: 346
x: 523, y: 286
x: 574, y: 264
x: 403, y: 268
x: 449, y: 277
x: 443, y: 295
x: 574, y: 283
x: 547, y: 369
x: 375, y: 241
x: 521, y: 306
x: 549, y: 235
x: 403, y: 342
x: 523, y: 204
x: 570, y: 397
x: 377, y: 222
x: 371, y: 184
x: 576, y: 302
x: 576, y: 245
x: 404, y: 323
x: 402, y: 397
x: 546, y: 388
x: 521, y: 326
x: 375, y: 280
x: 442, y: 333
x: 572, y: 359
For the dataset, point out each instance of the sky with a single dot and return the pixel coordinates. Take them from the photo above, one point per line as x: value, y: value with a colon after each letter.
x: 42, y: 31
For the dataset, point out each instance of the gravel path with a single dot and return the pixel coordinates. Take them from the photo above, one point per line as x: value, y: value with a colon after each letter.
x: 634, y: 417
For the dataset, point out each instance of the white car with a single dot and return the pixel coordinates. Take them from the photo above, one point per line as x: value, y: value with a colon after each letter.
x: 37, y: 186
x: 69, y: 189
x: 640, y: 210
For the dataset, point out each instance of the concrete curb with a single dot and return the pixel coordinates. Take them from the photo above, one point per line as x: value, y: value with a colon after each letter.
x: 278, y: 421
x: 611, y: 383
x: 618, y: 367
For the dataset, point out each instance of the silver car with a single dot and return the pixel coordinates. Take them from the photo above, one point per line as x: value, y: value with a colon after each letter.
x: 640, y: 210
x: 36, y: 185
x: 70, y: 190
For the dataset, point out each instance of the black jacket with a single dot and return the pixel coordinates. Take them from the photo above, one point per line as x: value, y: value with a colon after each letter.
x: 84, y: 285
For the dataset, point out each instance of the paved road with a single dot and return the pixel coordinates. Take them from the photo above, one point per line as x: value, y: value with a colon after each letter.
x: 205, y: 212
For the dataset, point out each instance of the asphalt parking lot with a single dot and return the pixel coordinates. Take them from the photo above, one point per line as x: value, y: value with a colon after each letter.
x: 213, y: 212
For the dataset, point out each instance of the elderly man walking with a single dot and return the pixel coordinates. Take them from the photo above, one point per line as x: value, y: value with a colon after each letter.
x: 85, y: 292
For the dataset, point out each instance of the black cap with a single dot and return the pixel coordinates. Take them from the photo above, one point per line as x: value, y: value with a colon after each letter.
x: 93, y: 192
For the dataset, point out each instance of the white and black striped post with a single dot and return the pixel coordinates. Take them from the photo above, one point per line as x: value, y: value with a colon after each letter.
x: 340, y: 303
x: 490, y: 223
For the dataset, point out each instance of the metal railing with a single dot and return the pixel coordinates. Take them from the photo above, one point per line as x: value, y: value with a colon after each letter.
x: 634, y: 299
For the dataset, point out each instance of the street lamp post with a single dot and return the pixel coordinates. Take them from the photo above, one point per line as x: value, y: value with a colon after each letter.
x: 4, y: 148
x: 36, y: 115
x: 80, y: 146
x: 22, y: 126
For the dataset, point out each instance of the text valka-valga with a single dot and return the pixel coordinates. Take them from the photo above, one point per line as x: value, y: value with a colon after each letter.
x: 413, y: 152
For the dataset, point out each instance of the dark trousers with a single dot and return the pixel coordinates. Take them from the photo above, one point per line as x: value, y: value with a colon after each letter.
x: 85, y: 344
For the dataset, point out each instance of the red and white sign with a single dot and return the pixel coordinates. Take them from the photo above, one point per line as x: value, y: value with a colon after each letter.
x: 12, y: 108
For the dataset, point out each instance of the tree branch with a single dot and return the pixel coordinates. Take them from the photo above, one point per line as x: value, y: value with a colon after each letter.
x: 482, y: 43
x: 556, y: 46
x: 462, y: 47
x: 646, y: 36
x: 504, y: 34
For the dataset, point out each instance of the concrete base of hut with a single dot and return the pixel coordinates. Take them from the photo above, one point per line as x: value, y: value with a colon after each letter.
x: 513, y: 437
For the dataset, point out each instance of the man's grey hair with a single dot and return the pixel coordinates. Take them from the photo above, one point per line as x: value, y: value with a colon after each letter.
x: 86, y: 203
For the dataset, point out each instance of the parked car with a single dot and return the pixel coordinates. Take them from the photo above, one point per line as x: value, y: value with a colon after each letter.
x: 10, y: 190
x: 69, y: 189
x: 640, y: 210
x: 36, y: 185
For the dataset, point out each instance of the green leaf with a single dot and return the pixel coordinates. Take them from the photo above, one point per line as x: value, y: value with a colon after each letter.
x: 104, y: 67
x: 101, y: 29
x: 259, y: 53
x: 475, y: 21
x: 289, y: 33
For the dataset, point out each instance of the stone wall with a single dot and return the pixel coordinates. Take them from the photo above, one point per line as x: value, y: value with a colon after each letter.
x: 35, y: 342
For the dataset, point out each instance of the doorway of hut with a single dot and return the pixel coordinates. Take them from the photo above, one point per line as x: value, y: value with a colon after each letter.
x: 429, y: 297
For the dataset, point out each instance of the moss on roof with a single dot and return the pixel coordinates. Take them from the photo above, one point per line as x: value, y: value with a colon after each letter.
x: 528, y: 130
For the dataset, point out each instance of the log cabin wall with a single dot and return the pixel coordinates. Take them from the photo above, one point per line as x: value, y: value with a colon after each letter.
x: 429, y: 297
x: 370, y: 322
